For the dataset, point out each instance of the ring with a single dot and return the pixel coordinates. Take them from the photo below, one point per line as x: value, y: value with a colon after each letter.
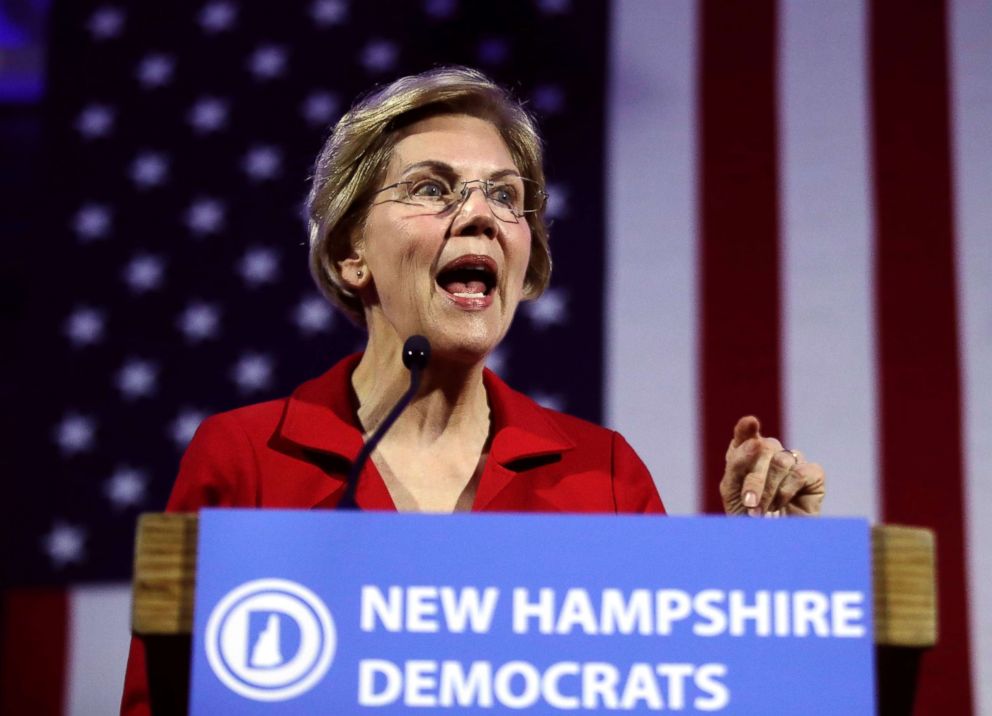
x: 795, y: 456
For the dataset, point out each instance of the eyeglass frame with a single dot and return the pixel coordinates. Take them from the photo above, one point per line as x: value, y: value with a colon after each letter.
x: 463, y: 194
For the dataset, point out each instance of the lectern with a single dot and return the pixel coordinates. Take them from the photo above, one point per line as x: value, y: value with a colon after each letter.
x: 253, y: 625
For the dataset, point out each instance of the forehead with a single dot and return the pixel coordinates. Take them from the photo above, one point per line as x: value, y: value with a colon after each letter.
x: 467, y: 143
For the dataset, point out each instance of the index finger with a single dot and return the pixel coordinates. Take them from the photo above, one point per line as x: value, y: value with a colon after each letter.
x: 747, y: 427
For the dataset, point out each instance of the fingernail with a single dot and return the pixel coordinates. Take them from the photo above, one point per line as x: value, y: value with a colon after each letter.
x: 753, y: 512
x: 750, y: 499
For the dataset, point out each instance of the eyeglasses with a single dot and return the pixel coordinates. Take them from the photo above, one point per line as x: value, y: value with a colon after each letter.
x: 510, y: 197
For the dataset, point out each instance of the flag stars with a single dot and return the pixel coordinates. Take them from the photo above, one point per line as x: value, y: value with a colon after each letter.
x: 92, y: 221
x: 75, y: 434
x: 209, y: 114
x: 156, y: 70
x: 493, y: 51
x: 184, y: 425
x: 199, y: 321
x: 126, y: 487
x: 262, y: 163
x: 253, y: 372
x: 557, y: 202
x: 549, y: 99
x: 320, y: 107
x: 85, y: 326
x: 205, y: 216
x: 259, y: 266
x: 313, y: 315
x: 328, y: 12
x: 549, y: 310
x: 64, y: 544
x: 137, y: 379
x: 440, y: 9
x: 106, y: 22
x: 551, y: 401
x: 217, y: 17
x: 497, y: 361
x: 555, y: 7
x: 95, y: 121
x: 268, y: 62
x: 144, y: 273
x: 379, y: 56
x: 149, y: 169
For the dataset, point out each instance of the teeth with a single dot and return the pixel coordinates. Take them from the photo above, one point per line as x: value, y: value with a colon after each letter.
x: 469, y: 295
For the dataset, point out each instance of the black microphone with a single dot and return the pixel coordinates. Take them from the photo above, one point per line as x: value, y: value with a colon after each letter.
x: 416, y: 354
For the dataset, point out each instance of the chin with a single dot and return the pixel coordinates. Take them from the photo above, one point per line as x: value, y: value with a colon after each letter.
x: 469, y: 346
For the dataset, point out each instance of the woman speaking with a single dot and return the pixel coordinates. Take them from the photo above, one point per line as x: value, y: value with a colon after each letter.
x: 427, y: 219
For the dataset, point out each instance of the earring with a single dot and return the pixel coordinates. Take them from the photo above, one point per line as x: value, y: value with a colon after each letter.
x: 359, y: 274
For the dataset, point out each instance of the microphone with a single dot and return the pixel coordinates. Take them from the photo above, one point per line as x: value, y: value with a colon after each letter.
x: 416, y: 354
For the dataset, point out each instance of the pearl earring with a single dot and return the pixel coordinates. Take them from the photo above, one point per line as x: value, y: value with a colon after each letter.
x: 359, y: 274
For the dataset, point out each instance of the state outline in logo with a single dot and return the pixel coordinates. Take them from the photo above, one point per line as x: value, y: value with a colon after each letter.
x: 227, y: 644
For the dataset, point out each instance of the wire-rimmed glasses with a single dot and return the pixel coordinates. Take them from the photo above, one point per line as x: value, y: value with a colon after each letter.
x: 510, y: 196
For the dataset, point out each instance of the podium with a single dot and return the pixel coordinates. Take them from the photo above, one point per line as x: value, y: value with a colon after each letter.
x: 902, y: 576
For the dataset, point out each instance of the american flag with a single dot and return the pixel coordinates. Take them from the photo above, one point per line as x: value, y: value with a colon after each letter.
x: 780, y: 208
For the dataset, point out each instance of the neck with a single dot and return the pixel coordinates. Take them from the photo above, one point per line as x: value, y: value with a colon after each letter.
x: 451, y: 401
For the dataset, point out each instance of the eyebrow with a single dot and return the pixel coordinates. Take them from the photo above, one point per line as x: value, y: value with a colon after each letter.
x: 445, y: 168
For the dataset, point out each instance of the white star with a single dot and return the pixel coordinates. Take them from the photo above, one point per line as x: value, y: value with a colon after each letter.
x: 208, y: 115
x: 555, y: 7
x: 258, y: 266
x: 64, y: 544
x: 106, y: 22
x: 328, y: 12
x: 549, y: 99
x: 144, y: 273
x: 549, y: 310
x: 156, y: 70
x: 548, y: 400
x: 313, y: 315
x: 252, y: 372
x: 126, y: 487
x: 96, y: 120
x: 75, y: 433
x: 557, y: 202
x: 379, y: 55
x: 496, y: 362
x: 85, y: 326
x: 137, y: 379
x: 320, y: 107
x: 184, y: 426
x: 268, y: 62
x: 440, y: 9
x: 199, y: 321
x: 217, y: 16
x: 205, y: 216
x: 92, y: 221
x: 262, y: 163
x: 149, y: 169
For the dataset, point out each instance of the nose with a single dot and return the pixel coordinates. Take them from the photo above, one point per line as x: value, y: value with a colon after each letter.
x: 474, y: 216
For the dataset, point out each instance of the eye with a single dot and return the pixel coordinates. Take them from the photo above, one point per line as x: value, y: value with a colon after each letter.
x: 505, y: 194
x: 429, y: 188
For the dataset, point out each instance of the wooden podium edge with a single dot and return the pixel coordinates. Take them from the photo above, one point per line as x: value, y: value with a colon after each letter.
x: 903, y: 572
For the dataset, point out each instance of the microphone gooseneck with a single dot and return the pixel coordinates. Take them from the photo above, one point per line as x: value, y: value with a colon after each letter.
x: 416, y: 354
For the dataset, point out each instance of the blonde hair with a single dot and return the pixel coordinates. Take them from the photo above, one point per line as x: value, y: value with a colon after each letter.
x: 354, y: 159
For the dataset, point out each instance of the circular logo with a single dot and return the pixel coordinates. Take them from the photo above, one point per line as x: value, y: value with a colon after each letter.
x: 270, y: 639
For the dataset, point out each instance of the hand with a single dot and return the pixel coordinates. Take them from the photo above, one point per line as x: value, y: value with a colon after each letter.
x: 763, y: 478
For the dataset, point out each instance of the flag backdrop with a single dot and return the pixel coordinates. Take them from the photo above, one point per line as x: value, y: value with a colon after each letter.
x: 780, y: 208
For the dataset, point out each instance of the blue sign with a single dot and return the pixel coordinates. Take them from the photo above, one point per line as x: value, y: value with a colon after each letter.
x: 380, y: 613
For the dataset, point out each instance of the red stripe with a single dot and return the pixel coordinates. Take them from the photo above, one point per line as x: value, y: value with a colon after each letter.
x: 32, y: 672
x: 738, y: 197
x: 920, y: 430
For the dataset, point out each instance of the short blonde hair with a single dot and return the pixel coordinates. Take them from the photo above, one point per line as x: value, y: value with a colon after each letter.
x: 354, y: 159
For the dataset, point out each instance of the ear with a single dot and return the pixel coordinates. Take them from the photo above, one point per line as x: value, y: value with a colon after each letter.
x: 354, y: 272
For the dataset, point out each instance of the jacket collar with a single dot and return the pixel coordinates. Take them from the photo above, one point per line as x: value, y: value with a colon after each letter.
x: 321, y: 415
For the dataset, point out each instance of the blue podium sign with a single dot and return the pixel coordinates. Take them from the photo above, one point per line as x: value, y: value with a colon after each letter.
x: 348, y: 613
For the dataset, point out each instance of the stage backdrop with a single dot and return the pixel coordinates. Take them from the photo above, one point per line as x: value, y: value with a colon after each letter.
x: 778, y: 208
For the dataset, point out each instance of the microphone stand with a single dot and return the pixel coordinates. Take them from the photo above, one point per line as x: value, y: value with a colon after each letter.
x: 416, y: 354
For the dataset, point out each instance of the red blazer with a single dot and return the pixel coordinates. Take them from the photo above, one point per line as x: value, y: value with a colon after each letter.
x: 295, y: 453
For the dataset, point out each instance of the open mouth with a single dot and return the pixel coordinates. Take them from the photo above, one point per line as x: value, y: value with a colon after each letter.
x: 469, y: 278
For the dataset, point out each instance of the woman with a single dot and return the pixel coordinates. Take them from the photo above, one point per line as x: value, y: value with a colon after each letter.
x: 426, y: 217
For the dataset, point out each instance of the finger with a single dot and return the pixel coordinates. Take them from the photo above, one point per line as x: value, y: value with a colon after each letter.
x: 753, y: 486
x: 802, y: 491
x: 747, y: 427
x: 740, y: 461
x: 781, y: 465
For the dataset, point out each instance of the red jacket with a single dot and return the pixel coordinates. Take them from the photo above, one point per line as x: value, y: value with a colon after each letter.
x: 295, y: 453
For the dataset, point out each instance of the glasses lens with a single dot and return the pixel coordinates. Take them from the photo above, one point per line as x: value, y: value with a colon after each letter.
x: 510, y: 196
